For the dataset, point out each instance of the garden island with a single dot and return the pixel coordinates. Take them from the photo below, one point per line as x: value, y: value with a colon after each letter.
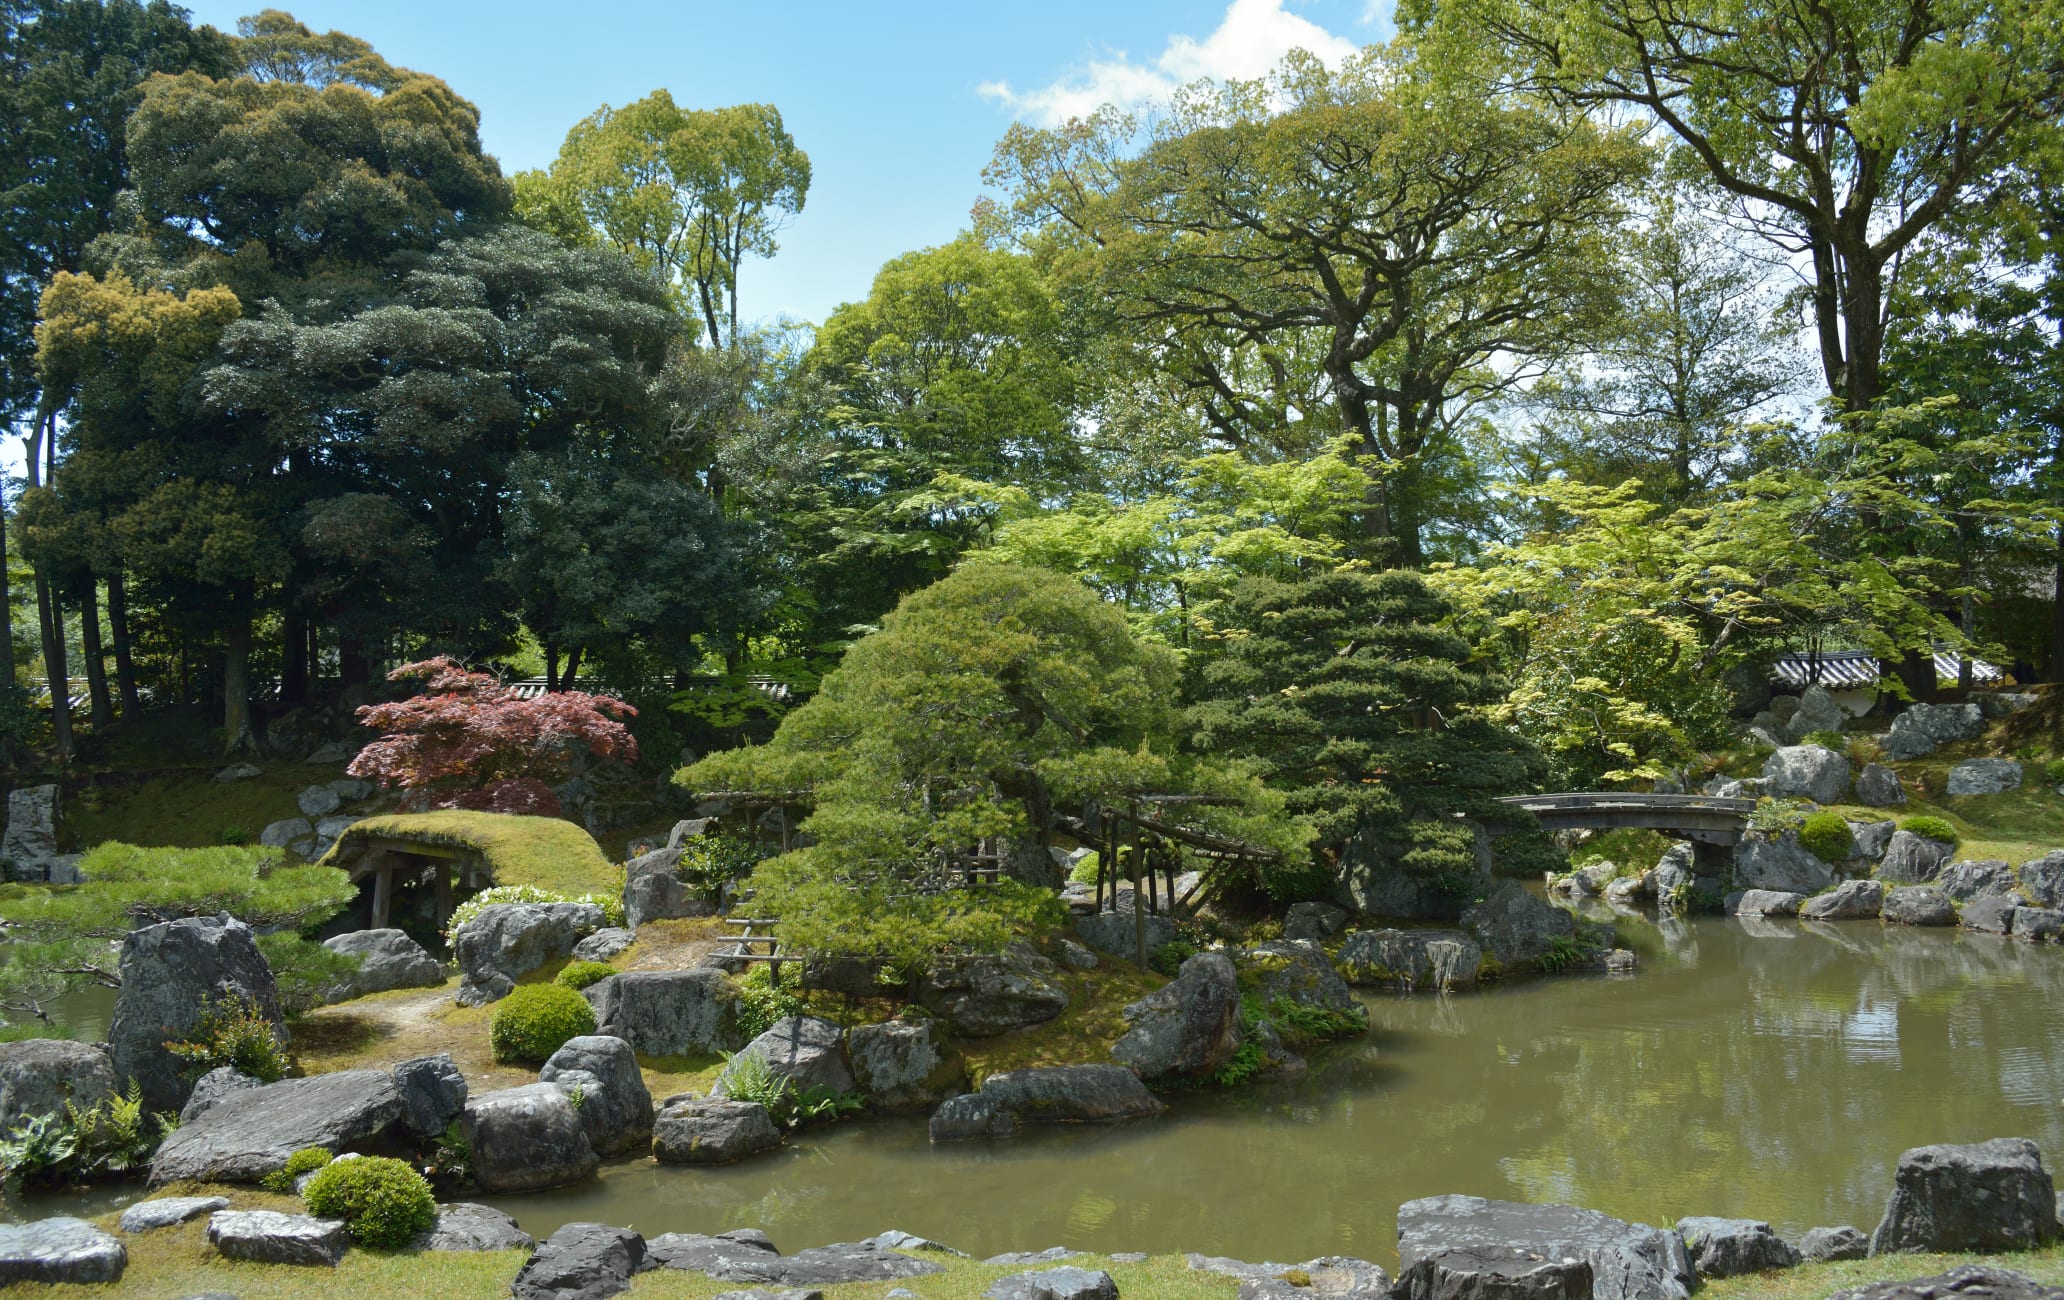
x: 1427, y: 667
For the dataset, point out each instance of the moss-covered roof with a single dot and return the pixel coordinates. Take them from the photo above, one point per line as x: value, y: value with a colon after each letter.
x: 542, y: 851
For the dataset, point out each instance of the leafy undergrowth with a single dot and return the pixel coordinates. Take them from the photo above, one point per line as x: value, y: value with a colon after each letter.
x: 547, y: 852
x: 1817, y: 1281
x: 188, y: 810
x: 1082, y: 1034
x: 2017, y: 826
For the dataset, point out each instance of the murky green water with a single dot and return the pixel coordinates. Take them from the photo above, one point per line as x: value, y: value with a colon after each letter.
x: 1770, y: 1069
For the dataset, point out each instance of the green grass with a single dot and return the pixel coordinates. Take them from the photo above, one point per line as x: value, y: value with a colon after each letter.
x: 1081, y: 1034
x: 1817, y: 1281
x: 542, y: 851
x: 187, y: 809
x: 2017, y: 826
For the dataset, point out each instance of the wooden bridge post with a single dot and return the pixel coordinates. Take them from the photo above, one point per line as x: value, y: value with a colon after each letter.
x: 1139, y: 897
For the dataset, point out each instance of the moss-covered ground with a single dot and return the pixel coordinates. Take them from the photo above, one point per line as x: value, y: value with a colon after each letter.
x: 546, y: 852
x: 186, y: 808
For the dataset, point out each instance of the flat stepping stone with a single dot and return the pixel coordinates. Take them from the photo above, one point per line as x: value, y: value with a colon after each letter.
x: 1051, y: 1255
x: 729, y: 1259
x: 1055, y: 1284
x: 581, y: 1261
x: 269, y: 1237
x: 61, y: 1249
x: 463, y: 1225
x: 169, y: 1211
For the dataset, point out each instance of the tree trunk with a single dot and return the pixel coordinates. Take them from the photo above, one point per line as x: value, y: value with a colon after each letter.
x: 236, y: 675
x: 293, y: 657
x: 54, y: 671
x: 551, y: 666
x: 6, y: 604
x: 102, y: 708
x: 354, y: 665
x: 572, y: 673
x: 125, y: 659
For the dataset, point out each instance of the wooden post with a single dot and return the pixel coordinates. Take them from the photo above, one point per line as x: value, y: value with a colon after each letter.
x: 383, y: 896
x: 1139, y: 898
x: 443, y: 878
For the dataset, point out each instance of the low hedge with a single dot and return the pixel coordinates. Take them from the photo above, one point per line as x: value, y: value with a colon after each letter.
x: 536, y: 1020
x: 583, y: 973
x: 383, y: 1202
x: 1826, y: 835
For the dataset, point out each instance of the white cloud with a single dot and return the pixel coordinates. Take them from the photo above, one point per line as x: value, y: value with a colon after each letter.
x: 1253, y: 37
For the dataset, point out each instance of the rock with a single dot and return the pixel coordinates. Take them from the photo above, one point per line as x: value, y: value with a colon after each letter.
x: 1852, y: 900
x: 239, y: 772
x: 2044, y: 879
x: 1731, y: 1247
x: 1674, y: 878
x: 1071, y: 1094
x: 1629, y: 1261
x: 39, y: 1075
x: 730, y: 1260
x: 466, y: 1226
x: 1016, y: 1258
x: 268, y: 1237
x: 1436, y: 959
x: 504, y: 940
x: 1314, y: 920
x: 1055, y: 1284
x: 726, y: 1255
x: 1911, y: 860
x: 1871, y: 839
x: 895, y: 1239
x: 1187, y: 1028
x: 615, y: 1108
x: 527, y: 1138
x: 712, y: 1132
x: 1989, y: 915
x: 1976, y: 1281
x: 1296, y: 971
x: 1818, y: 711
x: 28, y: 847
x: 1806, y: 772
x: 387, y: 960
x: 1919, y: 905
x: 1113, y: 934
x: 244, y: 1142
x: 349, y: 789
x: 804, y: 1050
x: 283, y: 834
x: 970, y: 1116
x: 1764, y: 861
x: 1490, y: 1273
x: 317, y: 801
x: 1877, y: 786
x: 1981, y: 878
x: 581, y: 1261
x: 335, y: 751
x: 1515, y: 928
x: 986, y: 995
x: 171, y: 972
x: 59, y: 1249
x: 213, y: 1087
x: 608, y: 942
x: 1985, y: 1197
x: 904, y: 1064
x: 1827, y: 1245
x: 2038, y: 924
x: 652, y: 892
x: 1768, y: 902
x: 1984, y: 776
x: 669, y: 1013
x: 788, y: 1293
x: 432, y: 1092
x: 1629, y: 890
x: 1075, y: 956
x: 1924, y: 728
x: 169, y: 1211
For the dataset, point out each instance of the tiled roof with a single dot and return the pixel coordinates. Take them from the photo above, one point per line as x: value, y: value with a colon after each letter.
x: 1840, y: 669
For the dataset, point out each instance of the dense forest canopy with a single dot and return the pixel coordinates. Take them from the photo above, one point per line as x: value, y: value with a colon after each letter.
x: 1599, y: 355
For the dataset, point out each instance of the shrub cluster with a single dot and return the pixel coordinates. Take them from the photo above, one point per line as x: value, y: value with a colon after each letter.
x: 1826, y: 835
x: 611, y: 904
x: 583, y: 973
x: 305, y: 1161
x: 536, y: 1020
x: 1930, y: 828
x: 382, y: 1201
x: 232, y: 1031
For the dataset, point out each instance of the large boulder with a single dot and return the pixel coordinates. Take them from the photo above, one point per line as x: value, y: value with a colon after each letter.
x: 1852, y: 900
x: 1440, y: 960
x: 218, y: 1083
x: 731, y: 1256
x: 1989, y: 915
x: 1924, y: 728
x: 1629, y: 1261
x: 740, y: 1261
x: 1768, y: 902
x: 904, y: 1064
x: 1778, y: 862
x: 432, y: 1092
x: 712, y: 1131
x: 269, y: 1237
x: 1061, y: 1094
x: 1482, y: 1273
x: 318, y: 801
x: 2044, y: 879
x: 993, y: 993
x: 1116, y: 934
x: 653, y: 892
x: 970, y: 1116
x: 605, y: 944
x: 1064, y: 1283
x: 1919, y: 905
x: 504, y: 940
x: 1871, y: 839
x: 1978, y: 878
x: 1294, y: 970
x: 387, y: 959
x: 1818, y: 711
x: 172, y: 973
x: 804, y: 1051
x: 1912, y: 859
x: 1187, y: 1028
x: 1515, y: 927
x: 39, y: 1075
x: 1828, y: 1245
x: 581, y: 1261
x: 525, y: 1139
x: 1984, y: 776
x: 295, y: 833
x: 61, y: 1249
x: 1731, y: 1247
x: 1314, y: 920
x: 669, y: 1013
x: 464, y: 1226
x: 243, y: 1142
x: 1985, y: 1197
x: 1976, y: 1281
x: 1877, y: 786
x: 1806, y: 772
x: 168, y: 1212
x: 2038, y: 924
x: 28, y: 847
x: 615, y: 1108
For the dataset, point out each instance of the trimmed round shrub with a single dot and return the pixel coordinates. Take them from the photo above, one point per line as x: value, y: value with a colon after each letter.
x: 305, y: 1161
x: 2054, y: 770
x: 536, y: 1020
x: 383, y: 1202
x: 1931, y: 828
x: 583, y: 973
x: 1826, y: 835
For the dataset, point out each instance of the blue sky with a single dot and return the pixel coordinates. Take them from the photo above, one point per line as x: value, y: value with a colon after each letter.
x: 897, y: 105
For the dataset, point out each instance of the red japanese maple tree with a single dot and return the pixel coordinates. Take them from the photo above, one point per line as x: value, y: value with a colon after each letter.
x: 468, y: 741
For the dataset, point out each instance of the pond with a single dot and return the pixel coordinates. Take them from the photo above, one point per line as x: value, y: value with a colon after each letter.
x: 1763, y: 1069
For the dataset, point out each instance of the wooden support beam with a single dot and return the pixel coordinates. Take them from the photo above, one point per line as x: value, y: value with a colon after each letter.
x: 442, y: 875
x: 383, y: 896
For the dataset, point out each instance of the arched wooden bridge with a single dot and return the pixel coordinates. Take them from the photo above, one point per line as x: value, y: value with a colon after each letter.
x: 1704, y: 819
